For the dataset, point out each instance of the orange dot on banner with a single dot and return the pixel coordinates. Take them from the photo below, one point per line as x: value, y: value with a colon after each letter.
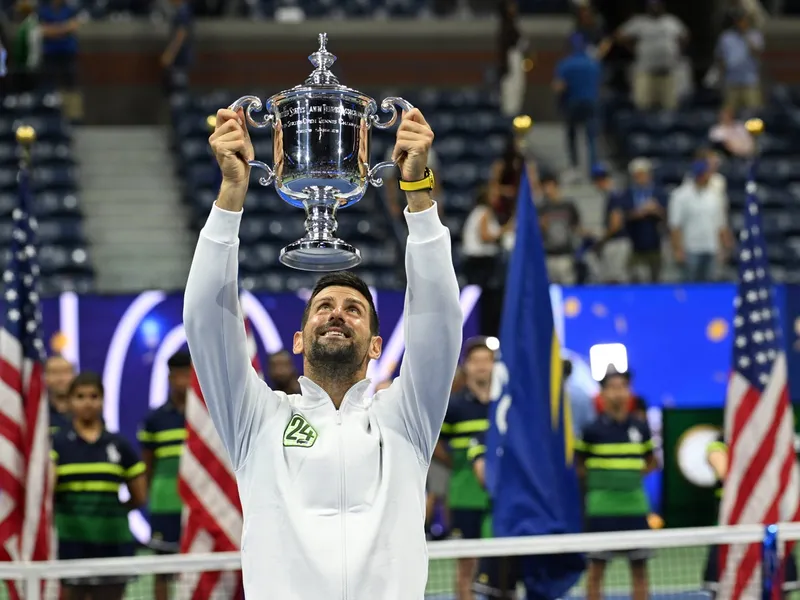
x: 572, y: 307
x: 655, y: 521
x: 58, y: 342
x: 717, y: 330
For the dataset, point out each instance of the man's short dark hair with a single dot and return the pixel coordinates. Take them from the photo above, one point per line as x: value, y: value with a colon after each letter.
x: 86, y: 378
x: 611, y: 373
x: 180, y: 360
x: 475, y: 343
x: 344, y: 279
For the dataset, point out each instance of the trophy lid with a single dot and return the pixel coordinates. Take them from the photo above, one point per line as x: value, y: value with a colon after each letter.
x: 322, y: 61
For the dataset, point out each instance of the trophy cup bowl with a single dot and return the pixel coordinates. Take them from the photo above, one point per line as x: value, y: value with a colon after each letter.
x: 321, y: 148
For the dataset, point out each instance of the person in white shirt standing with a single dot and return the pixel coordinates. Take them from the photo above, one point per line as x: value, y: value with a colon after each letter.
x: 698, y: 222
x: 332, y: 480
x: 657, y: 38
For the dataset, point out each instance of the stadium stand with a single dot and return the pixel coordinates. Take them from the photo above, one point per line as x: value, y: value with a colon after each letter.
x: 671, y: 138
x: 64, y: 255
x: 314, y: 9
x: 458, y: 116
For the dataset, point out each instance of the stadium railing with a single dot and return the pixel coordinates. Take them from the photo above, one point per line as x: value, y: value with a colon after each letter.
x: 675, y: 569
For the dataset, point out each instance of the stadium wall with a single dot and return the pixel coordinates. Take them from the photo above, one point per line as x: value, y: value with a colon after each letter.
x: 120, y: 71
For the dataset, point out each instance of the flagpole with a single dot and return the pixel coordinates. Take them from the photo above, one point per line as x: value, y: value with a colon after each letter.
x: 770, y: 558
x: 26, y: 136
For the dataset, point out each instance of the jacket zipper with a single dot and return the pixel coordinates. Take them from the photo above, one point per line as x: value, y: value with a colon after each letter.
x: 343, y: 506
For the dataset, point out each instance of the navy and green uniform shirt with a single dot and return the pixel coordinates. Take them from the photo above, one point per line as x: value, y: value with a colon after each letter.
x: 615, y: 454
x: 476, y: 450
x: 86, y: 501
x: 466, y: 418
x: 164, y: 432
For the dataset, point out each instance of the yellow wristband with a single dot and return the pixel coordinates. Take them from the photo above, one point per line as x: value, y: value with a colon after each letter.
x: 426, y: 183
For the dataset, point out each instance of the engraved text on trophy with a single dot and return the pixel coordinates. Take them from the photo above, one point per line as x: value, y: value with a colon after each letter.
x: 320, y: 118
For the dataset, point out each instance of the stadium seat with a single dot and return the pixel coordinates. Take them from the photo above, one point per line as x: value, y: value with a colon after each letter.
x: 64, y: 258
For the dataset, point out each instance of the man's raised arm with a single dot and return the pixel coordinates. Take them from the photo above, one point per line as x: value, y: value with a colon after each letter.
x: 432, y: 315
x: 237, y: 400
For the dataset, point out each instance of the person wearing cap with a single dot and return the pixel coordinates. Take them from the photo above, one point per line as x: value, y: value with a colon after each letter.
x: 577, y: 79
x: 614, y: 454
x: 641, y: 209
x: 656, y: 38
x: 560, y: 223
x: 614, y: 244
x: 162, y: 436
x: 467, y: 417
x: 698, y: 223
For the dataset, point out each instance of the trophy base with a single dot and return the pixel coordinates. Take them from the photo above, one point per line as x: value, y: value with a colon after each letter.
x: 321, y: 256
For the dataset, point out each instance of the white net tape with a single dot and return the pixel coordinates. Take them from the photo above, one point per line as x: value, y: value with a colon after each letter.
x: 675, y: 568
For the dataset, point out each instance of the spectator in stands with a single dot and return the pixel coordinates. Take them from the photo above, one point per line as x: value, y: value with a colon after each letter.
x: 282, y: 373
x: 176, y: 59
x: 60, y: 22
x: 615, y: 246
x: 27, y: 50
x: 511, y: 57
x: 698, y: 223
x: 738, y: 51
x: 58, y: 374
x: 89, y: 465
x: 504, y: 180
x: 589, y: 24
x: 731, y: 136
x: 657, y: 38
x: 615, y: 495
x: 642, y: 210
x: 481, y: 248
x: 561, y: 226
x: 162, y: 436
x: 467, y: 416
x: 577, y: 82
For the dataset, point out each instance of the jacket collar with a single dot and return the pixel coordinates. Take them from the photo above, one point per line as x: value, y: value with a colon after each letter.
x: 314, y: 395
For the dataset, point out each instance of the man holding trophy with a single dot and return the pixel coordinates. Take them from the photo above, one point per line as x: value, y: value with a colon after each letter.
x: 332, y: 480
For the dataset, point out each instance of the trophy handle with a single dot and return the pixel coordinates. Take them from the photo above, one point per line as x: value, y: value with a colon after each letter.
x: 251, y: 104
x: 260, y: 165
x: 389, y: 105
x: 378, y: 181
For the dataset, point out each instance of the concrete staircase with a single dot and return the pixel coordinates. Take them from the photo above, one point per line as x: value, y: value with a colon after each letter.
x: 548, y: 144
x: 135, y: 222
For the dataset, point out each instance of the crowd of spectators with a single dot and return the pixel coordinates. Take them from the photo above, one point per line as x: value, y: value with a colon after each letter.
x: 651, y: 231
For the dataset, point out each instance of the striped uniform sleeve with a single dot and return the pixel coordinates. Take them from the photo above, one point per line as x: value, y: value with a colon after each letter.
x: 477, y: 448
x: 647, y: 439
x: 129, y: 461
x: 146, y: 434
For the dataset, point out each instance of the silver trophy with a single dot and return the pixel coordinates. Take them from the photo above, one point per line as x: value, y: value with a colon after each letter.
x: 321, y: 148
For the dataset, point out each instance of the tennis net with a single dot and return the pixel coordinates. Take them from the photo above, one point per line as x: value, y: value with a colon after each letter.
x: 675, y: 566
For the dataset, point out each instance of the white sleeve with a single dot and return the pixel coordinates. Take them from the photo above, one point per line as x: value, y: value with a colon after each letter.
x: 432, y: 323
x: 237, y: 399
x: 675, y: 211
x: 631, y: 27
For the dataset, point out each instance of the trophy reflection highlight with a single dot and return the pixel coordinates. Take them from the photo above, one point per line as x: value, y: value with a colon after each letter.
x: 321, y: 148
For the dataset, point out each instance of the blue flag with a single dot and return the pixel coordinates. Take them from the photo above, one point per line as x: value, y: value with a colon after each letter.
x: 529, y: 457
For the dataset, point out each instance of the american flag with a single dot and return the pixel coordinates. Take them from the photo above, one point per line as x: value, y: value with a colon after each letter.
x: 25, y: 498
x: 763, y: 484
x: 212, y: 514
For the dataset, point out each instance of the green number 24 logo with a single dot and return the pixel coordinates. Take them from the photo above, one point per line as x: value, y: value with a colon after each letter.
x: 299, y: 432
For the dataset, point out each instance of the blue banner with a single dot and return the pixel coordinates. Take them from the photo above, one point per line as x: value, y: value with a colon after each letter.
x: 529, y: 450
x: 127, y: 339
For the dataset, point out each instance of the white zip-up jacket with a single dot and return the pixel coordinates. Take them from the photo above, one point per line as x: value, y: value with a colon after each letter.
x: 333, y: 500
